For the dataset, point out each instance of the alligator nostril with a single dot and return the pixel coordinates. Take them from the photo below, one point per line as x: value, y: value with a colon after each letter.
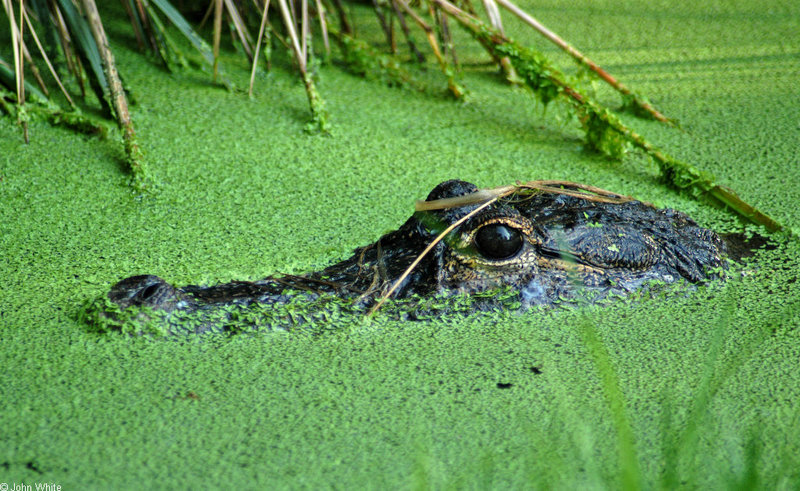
x: 148, y: 292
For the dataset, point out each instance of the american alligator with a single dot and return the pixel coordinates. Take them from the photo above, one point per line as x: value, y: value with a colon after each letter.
x: 546, y: 242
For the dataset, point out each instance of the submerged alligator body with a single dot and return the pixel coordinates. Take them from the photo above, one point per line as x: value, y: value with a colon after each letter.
x: 544, y: 245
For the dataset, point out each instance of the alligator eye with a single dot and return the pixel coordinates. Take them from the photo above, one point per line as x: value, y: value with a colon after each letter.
x: 498, y: 241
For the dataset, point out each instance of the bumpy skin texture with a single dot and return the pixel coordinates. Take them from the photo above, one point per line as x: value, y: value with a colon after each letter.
x: 547, y: 246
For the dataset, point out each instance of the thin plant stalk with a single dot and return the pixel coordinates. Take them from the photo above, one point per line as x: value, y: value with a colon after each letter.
x: 497, y: 22
x: 26, y: 55
x: 163, y: 42
x: 323, y: 24
x: 118, y: 100
x: 304, y: 27
x: 365, y: 61
x: 406, y: 32
x: 582, y: 59
x: 286, y: 44
x: 138, y: 29
x: 207, y: 15
x: 88, y: 46
x: 207, y: 52
x: 144, y: 15
x: 428, y: 30
x: 504, y: 62
x: 258, y: 46
x: 319, y: 117
x: 382, y: 21
x: 494, y: 15
x: 17, y: 46
x: 455, y: 88
x: 217, y: 34
x: 288, y: 20
x: 241, y: 28
x: 22, y: 115
x: 344, y: 24
x: 267, y: 36
x: 448, y: 36
x: 392, y: 36
x: 567, y: 188
x: 70, y: 56
x: 47, y: 60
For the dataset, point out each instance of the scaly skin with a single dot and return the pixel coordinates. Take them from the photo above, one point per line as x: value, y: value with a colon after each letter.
x: 546, y: 246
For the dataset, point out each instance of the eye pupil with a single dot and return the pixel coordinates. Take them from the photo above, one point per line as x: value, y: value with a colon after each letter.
x: 498, y: 241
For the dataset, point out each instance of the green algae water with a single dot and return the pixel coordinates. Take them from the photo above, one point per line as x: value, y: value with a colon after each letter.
x: 707, y: 380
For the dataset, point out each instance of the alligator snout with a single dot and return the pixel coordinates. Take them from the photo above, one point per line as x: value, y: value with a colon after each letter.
x: 144, y: 291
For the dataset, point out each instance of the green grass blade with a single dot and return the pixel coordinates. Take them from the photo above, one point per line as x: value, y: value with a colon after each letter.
x: 166, y: 46
x: 8, y: 79
x: 183, y: 26
x: 752, y: 454
x: 685, y: 447
x: 630, y: 473
x: 48, y: 28
x: 180, y: 22
x: 82, y: 35
x: 136, y: 21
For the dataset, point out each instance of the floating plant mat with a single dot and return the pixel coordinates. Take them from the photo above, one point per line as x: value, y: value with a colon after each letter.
x: 604, y: 131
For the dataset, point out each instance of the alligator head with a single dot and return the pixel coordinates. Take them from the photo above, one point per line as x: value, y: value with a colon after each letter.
x: 544, y: 244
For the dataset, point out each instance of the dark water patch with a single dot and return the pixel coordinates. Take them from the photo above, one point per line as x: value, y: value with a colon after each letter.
x: 741, y: 245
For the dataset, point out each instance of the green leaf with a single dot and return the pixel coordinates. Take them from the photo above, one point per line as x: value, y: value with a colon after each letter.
x: 82, y: 35
x: 180, y: 22
x: 8, y: 79
x: 48, y: 28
